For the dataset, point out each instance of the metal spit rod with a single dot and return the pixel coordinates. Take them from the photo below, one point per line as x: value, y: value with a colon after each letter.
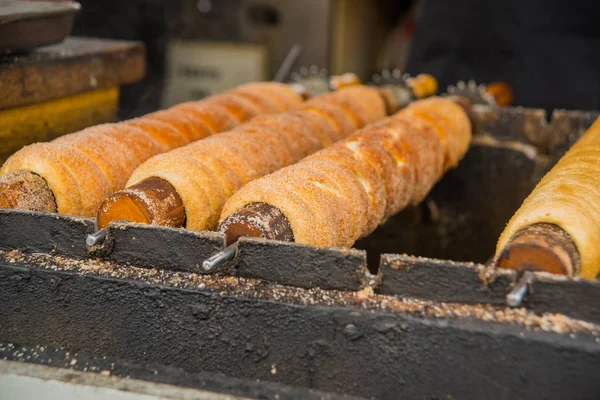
x: 220, y: 258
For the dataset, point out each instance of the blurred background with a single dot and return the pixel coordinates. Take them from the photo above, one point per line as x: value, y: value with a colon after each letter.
x: 547, y: 51
x: 199, y: 47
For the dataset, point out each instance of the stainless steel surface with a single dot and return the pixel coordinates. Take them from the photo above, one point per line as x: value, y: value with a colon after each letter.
x: 220, y: 258
x: 30, y: 381
x: 96, y: 238
x: 516, y: 296
x: 289, y: 61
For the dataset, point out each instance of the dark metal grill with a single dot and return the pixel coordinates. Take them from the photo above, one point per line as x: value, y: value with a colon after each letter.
x: 298, y: 315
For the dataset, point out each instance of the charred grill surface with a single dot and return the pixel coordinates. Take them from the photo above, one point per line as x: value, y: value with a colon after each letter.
x: 348, y: 342
x: 151, y: 305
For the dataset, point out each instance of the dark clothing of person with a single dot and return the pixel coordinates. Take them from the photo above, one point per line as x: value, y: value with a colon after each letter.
x: 548, y: 51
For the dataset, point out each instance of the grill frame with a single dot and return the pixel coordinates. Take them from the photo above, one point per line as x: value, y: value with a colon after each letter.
x: 335, y: 348
x: 344, y: 348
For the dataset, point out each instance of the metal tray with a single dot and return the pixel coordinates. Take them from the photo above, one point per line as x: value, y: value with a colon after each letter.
x: 25, y: 25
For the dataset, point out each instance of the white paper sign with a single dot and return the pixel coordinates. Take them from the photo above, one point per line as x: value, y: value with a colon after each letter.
x: 196, y: 69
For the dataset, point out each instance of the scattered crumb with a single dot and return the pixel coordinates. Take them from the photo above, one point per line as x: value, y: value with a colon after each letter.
x: 365, y: 293
x: 251, y: 288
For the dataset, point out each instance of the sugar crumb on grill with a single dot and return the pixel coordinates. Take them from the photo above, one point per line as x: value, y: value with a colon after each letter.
x: 251, y: 288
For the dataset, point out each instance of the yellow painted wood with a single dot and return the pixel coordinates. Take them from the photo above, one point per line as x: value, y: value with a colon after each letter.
x: 40, y: 122
x: 74, y: 66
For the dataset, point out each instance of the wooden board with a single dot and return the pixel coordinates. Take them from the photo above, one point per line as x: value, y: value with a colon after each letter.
x: 73, y: 66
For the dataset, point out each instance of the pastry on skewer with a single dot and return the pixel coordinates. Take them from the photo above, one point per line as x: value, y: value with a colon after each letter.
x: 82, y: 168
x: 203, y: 175
x: 557, y: 228
x: 344, y: 192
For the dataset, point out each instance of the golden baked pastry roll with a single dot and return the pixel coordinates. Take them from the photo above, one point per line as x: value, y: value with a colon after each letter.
x: 264, y: 104
x: 346, y: 194
x: 259, y: 147
x: 106, y: 153
x: 214, y: 117
x: 360, y: 104
x: 353, y: 110
x: 450, y: 122
x: 298, y: 134
x: 343, y: 192
x: 280, y: 95
x: 568, y: 196
x: 229, y: 179
x: 378, y: 152
x: 198, y: 186
x: 167, y: 136
x: 422, y: 149
x: 371, y: 100
x: 99, y: 160
x: 248, y: 100
x: 105, y: 144
x: 367, y: 175
x: 335, y: 116
x: 326, y: 129
x: 189, y: 127
x: 239, y: 107
x: 278, y: 147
